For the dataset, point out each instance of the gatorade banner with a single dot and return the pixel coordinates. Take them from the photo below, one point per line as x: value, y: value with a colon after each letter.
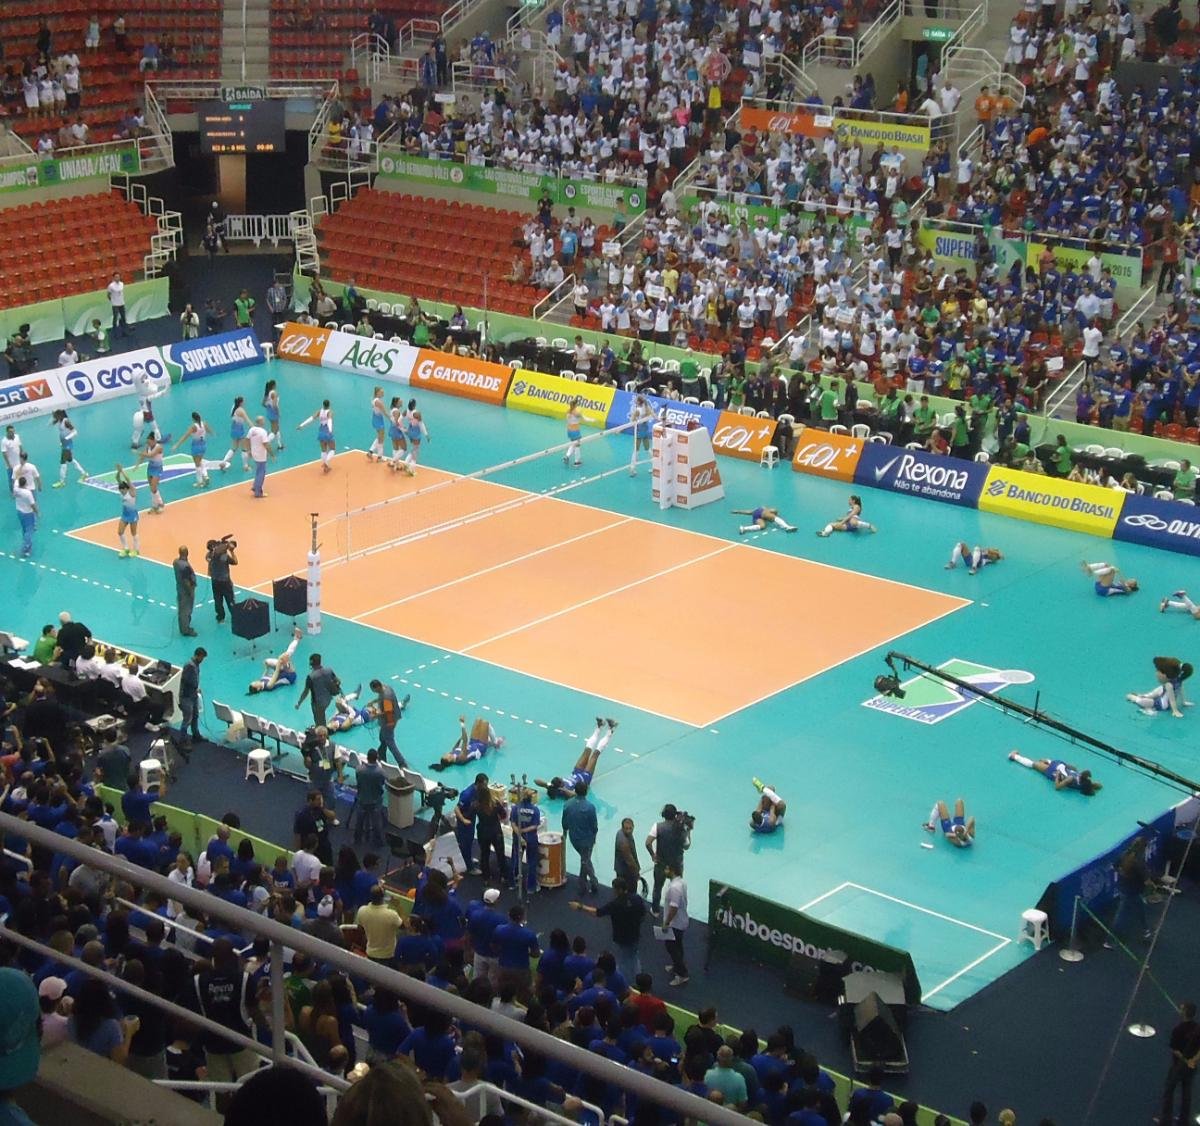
x: 1164, y: 524
x: 669, y: 411
x: 303, y: 344
x: 823, y: 454
x: 739, y: 435
x: 1051, y: 500
x: 550, y: 395
x: 464, y: 376
x: 919, y: 474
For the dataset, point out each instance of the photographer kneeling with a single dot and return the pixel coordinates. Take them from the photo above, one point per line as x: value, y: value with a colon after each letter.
x: 220, y: 556
x: 668, y: 841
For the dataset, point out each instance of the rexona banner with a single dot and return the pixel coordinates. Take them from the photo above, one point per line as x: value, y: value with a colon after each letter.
x: 1156, y: 523
x: 303, y: 344
x: 550, y: 395
x: 919, y: 474
x: 737, y: 435
x: 768, y: 932
x: 827, y: 455
x: 211, y: 355
x: 1051, y: 500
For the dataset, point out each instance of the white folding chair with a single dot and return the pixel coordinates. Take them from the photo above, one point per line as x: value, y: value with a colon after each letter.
x: 331, y: 324
x: 881, y: 436
x: 982, y: 456
x: 790, y: 419
x: 561, y: 343
x: 763, y: 414
x: 838, y: 428
x: 860, y: 430
x: 747, y: 411
x: 709, y: 404
x: 878, y: 438
x: 541, y: 342
x: 914, y: 446
x: 691, y: 399
x: 1163, y: 494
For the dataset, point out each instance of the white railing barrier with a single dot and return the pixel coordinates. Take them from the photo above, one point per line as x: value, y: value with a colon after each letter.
x: 317, y: 131
x: 415, y: 992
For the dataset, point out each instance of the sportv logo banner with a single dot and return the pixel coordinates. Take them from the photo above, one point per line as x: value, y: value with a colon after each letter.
x: 920, y: 474
x: 1159, y: 523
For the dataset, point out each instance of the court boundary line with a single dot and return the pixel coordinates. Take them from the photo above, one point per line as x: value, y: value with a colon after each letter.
x: 488, y: 570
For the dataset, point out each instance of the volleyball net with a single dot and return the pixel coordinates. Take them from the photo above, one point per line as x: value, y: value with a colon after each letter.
x: 452, y: 502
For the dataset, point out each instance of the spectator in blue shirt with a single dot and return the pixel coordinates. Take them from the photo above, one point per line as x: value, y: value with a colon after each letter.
x: 515, y: 944
x: 877, y: 1101
x: 580, y: 824
x: 431, y: 1047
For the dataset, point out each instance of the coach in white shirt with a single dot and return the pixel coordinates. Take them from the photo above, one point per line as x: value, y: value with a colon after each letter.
x: 10, y: 450
x: 31, y: 473
x: 260, y: 440
x: 116, y: 298
x: 69, y: 356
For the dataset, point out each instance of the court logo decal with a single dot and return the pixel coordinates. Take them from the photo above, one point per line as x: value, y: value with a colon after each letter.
x: 174, y: 466
x: 927, y: 700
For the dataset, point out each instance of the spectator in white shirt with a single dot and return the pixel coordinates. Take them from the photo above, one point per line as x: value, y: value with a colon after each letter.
x: 69, y: 356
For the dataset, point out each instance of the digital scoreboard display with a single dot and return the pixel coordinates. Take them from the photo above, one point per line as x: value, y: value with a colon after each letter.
x: 242, y: 127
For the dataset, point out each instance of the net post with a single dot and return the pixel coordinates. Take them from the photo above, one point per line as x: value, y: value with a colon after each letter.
x: 314, y: 581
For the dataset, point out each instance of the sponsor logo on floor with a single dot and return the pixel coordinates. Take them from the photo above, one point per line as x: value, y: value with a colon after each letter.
x: 929, y: 700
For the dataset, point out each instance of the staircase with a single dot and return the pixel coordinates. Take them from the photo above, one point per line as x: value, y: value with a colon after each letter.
x: 245, y: 50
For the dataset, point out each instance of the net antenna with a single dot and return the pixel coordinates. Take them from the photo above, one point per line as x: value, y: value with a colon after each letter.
x: 452, y: 502
x: 314, y: 578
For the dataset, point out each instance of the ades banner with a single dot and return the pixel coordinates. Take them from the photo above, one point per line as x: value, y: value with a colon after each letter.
x: 211, y: 355
x: 768, y: 932
x: 829, y: 455
x: 919, y: 474
x: 1051, y: 500
x: 672, y: 412
x: 364, y: 355
x: 1159, y: 523
x: 738, y: 435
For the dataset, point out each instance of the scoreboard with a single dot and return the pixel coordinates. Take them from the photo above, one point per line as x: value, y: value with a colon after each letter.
x: 242, y: 127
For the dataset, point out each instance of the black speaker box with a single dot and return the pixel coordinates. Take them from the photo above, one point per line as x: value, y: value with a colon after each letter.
x: 290, y: 596
x: 875, y: 1030
x: 251, y: 619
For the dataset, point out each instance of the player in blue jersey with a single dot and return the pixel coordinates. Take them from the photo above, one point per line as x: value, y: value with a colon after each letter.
x: 129, y: 514
x: 974, y: 557
x: 1167, y: 694
x: 1108, y: 581
x: 959, y: 830
x: 851, y: 522
x: 270, y: 406
x: 379, y: 421
x: 768, y: 814
x: 415, y: 432
x: 1180, y: 601
x: 1062, y: 774
x: 585, y: 766
x: 66, y: 442
x: 761, y: 519
x: 152, y: 455
x: 278, y: 670
x: 470, y: 747
x: 574, y: 421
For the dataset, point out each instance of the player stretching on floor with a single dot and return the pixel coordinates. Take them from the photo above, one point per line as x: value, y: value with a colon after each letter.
x: 974, y: 557
x: 152, y: 455
x: 1167, y: 694
x: 323, y: 417
x: 574, y: 421
x: 470, y: 748
x: 1062, y: 774
x: 768, y: 814
x: 1108, y: 581
x: 278, y: 670
x: 378, y: 424
x: 346, y: 715
x: 129, y: 514
x: 959, y: 831
x: 642, y: 417
x: 761, y: 520
x: 851, y: 522
x: 66, y: 441
x: 1180, y: 601
x: 585, y: 767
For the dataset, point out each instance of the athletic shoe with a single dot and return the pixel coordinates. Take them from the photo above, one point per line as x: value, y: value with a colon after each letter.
x: 499, y: 741
x: 438, y: 766
x: 677, y: 980
x: 928, y: 827
x: 224, y: 466
x: 187, y: 633
x: 124, y: 553
x: 1162, y: 606
x: 358, y: 690
x: 566, y: 460
x: 404, y: 702
x: 757, y: 783
x: 135, y: 552
x: 822, y: 534
x: 789, y: 529
x: 1012, y: 755
x: 58, y: 484
x: 612, y: 724
x: 578, y: 464
x: 1179, y: 594
x: 741, y: 531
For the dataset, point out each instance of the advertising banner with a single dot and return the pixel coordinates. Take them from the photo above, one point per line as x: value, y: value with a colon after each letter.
x: 512, y: 182
x: 774, y: 935
x: 669, y: 411
x: 822, y: 454
x: 108, y: 377
x: 211, y: 355
x: 364, y: 355
x: 1126, y: 268
x: 1051, y: 500
x: 28, y: 397
x: 919, y: 474
x: 955, y: 249
x: 550, y: 395
x: 303, y: 344
x: 911, y: 134
x: 464, y: 376
x: 738, y: 435
x: 81, y: 164
x: 1159, y: 523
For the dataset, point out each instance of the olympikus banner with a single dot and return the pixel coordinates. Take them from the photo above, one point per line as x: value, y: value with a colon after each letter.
x: 303, y: 344
x: 738, y: 435
x: 919, y: 474
x: 513, y: 182
x: 890, y: 133
x: 768, y: 932
x: 551, y: 395
x: 80, y: 164
x: 827, y: 455
x: 464, y: 376
x: 1158, y: 523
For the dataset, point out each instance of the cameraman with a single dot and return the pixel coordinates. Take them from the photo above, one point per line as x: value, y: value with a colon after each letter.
x: 666, y: 844
x: 221, y: 555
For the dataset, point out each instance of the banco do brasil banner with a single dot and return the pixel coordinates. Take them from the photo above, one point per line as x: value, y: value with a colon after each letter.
x: 768, y: 932
x: 80, y: 164
x: 911, y: 133
x: 513, y: 182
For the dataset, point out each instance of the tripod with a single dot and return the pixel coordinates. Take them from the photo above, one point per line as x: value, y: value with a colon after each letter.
x: 520, y: 866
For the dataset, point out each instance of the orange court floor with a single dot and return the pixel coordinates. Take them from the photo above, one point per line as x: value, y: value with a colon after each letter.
x: 680, y: 624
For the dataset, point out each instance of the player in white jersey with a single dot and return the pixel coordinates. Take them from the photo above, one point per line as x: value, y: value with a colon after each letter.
x: 10, y: 450
x: 642, y: 417
x: 129, y: 514
x: 415, y: 432
x: 323, y: 417
x: 397, y: 433
x: 379, y: 421
x: 974, y: 557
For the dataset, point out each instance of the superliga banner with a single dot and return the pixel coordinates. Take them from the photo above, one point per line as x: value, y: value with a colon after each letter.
x: 1051, y: 500
x: 768, y: 932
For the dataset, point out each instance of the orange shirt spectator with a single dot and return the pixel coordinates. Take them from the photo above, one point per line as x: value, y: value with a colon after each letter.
x: 985, y: 106
x: 900, y: 102
x: 1037, y: 135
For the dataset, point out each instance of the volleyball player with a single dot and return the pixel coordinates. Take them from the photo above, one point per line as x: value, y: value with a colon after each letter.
x: 129, y: 514
x: 270, y: 406
x: 197, y: 435
x: 278, y: 670
x: 399, y: 442
x: 378, y: 424
x: 239, y: 424
x: 1062, y: 774
x: 958, y: 830
x: 323, y: 417
x: 346, y: 715
x: 152, y: 455
x: 642, y: 417
x: 415, y: 432
x: 768, y: 814
x: 1180, y: 601
x: 66, y: 442
x: 574, y: 421
x: 974, y: 557
x: 1167, y: 694
x: 851, y: 522
x: 469, y: 748
x: 761, y: 520
x: 1108, y: 582
x: 585, y: 765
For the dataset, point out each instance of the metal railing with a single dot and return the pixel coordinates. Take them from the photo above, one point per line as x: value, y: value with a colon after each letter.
x: 795, y: 77
x: 308, y: 252
x: 474, y: 77
x: 168, y: 235
x: 880, y: 26
x: 848, y: 51
x: 318, y: 130
x: 260, y: 228
x: 281, y: 936
x: 243, y: 66
x: 201, y: 89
